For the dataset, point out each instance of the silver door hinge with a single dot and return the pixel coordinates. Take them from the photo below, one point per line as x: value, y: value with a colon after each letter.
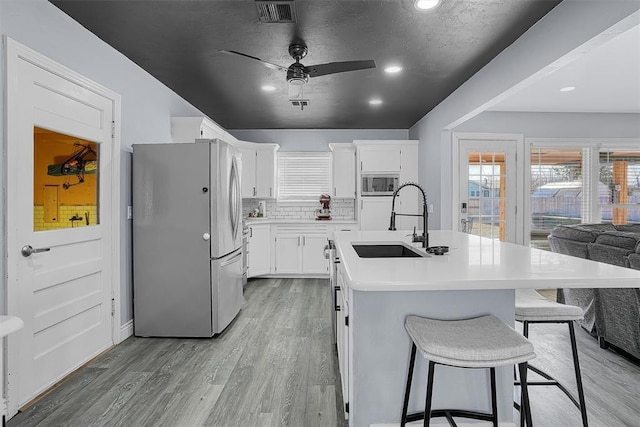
x: 113, y: 306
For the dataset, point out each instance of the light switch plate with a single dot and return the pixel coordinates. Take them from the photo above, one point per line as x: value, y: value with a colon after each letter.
x: 129, y: 212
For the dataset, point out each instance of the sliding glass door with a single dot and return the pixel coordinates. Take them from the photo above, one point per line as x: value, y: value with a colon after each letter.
x: 582, y: 183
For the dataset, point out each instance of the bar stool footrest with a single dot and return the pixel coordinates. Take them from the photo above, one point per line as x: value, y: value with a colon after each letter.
x: 551, y: 382
x: 450, y: 413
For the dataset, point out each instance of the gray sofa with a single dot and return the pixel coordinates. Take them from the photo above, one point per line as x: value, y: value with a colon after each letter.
x: 611, y: 314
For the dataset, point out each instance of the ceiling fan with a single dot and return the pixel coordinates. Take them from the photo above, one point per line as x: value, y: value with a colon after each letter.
x: 299, y: 74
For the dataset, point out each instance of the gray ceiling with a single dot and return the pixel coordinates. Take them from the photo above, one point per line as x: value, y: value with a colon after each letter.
x: 178, y: 42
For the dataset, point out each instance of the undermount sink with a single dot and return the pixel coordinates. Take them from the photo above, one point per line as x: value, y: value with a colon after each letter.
x: 386, y: 250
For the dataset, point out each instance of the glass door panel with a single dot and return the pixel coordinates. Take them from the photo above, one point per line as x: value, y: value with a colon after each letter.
x: 488, y: 189
x: 620, y: 176
x: 65, y: 181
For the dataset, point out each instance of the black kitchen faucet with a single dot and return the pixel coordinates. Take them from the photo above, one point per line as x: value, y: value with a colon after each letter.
x: 425, y: 214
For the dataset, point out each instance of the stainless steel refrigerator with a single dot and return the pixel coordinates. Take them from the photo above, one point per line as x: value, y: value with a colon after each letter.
x: 187, y: 238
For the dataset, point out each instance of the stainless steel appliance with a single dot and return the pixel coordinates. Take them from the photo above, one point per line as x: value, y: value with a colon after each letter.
x: 245, y: 253
x: 376, y: 184
x: 330, y: 253
x: 187, y: 238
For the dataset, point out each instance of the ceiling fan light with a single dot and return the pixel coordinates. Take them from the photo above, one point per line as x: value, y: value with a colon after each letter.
x: 392, y: 69
x: 295, y: 87
x: 426, y: 4
x: 375, y: 101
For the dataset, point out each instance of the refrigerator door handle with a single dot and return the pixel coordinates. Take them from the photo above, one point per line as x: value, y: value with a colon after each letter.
x: 232, y: 259
x: 234, y: 208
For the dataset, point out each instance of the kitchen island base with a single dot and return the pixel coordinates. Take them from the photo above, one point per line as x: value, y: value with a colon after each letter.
x: 379, y: 352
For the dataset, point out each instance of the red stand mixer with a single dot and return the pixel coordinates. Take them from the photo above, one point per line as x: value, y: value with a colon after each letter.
x: 325, y: 211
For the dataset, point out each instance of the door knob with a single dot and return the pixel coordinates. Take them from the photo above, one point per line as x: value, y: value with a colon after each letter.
x: 27, y: 250
x: 206, y: 236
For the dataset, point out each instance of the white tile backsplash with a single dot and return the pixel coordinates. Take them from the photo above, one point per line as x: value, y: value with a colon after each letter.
x: 341, y: 209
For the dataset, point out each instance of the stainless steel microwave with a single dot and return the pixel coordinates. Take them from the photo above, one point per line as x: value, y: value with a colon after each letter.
x: 376, y: 184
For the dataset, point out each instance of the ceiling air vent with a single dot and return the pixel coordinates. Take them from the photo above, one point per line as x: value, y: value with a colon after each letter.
x: 276, y: 11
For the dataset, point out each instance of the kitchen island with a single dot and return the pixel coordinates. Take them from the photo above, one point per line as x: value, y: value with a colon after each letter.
x: 477, y: 276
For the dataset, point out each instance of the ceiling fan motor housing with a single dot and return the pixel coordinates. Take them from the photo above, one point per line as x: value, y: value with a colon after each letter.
x: 298, y: 51
x: 297, y: 71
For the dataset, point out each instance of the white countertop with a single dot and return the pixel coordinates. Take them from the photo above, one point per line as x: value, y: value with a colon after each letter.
x: 297, y: 221
x: 10, y: 324
x: 472, y: 263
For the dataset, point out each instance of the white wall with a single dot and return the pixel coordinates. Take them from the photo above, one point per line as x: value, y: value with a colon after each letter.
x: 555, y: 125
x: 316, y: 139
x: 571, y: 29
x: 147, y: 105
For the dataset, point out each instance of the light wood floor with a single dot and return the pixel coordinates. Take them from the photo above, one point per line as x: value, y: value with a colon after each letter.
x: 276, y: 366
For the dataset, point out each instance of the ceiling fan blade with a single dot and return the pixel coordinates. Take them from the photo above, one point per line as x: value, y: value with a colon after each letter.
x: 339, y: 67
x: 265, y: 63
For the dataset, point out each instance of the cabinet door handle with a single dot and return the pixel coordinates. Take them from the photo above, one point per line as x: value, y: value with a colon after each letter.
x: 270, y: 191
x: 304, y: 240
x: 298, y: 240
x: 250, y: 231
x: 335, y: 298
x: 334, y: 191
x: 254, y: 191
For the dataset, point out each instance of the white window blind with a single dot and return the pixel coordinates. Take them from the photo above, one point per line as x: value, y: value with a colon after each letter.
x: 303, y: 175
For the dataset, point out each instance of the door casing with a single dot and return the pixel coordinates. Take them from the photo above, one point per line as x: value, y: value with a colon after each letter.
x: 16, y: 52
x: 515, y: 139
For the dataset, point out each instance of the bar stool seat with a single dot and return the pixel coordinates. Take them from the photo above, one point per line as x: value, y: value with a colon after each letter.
x: 481, y: 342
x: 531, y: 307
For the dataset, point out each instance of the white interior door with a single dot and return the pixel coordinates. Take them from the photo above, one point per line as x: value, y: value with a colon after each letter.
x: 64, y: 290
x: 488, y: 189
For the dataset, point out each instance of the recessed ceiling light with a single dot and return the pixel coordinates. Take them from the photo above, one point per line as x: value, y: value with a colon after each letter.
x: 375, y: 101
x: 426, y: 4
x: 567, y: 89
x: 393, y: 69
x: 268, y: 88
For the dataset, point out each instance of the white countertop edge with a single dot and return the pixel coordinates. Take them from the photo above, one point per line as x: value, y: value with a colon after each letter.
x: 297, y: 221
x: 10, y: 324
x: 563, y: 271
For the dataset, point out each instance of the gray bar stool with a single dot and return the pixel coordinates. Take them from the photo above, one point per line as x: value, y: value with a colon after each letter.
x: 482, y: 342
x: 531, y: 307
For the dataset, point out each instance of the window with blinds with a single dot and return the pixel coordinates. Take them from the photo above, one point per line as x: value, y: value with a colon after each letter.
x: 303, y: 175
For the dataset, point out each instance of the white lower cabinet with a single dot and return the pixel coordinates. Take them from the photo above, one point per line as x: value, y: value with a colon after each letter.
x: 287, y: 260
x: 259, y: 250
x: 342, y: 338
x: 300, y: 249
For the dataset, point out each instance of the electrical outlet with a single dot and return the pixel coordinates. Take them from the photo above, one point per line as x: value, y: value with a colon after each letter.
x: 129, y: 212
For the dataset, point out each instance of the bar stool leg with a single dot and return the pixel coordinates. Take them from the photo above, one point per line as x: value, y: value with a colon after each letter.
x: 427, y: 403
x: 494, y: 400
x: 525, y: 408
x: 576, y: 367
x: 412, y: 362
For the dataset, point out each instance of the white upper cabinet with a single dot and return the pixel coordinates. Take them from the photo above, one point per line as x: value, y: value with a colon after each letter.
x: 379, y: 159
x: 258, y: 169
x: 248, y: 172
x: 266, y: 172
x: 344, y: 170
x: 188, y: 129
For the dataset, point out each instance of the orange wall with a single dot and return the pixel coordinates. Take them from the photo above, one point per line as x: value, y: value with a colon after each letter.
x: 54, y: 148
